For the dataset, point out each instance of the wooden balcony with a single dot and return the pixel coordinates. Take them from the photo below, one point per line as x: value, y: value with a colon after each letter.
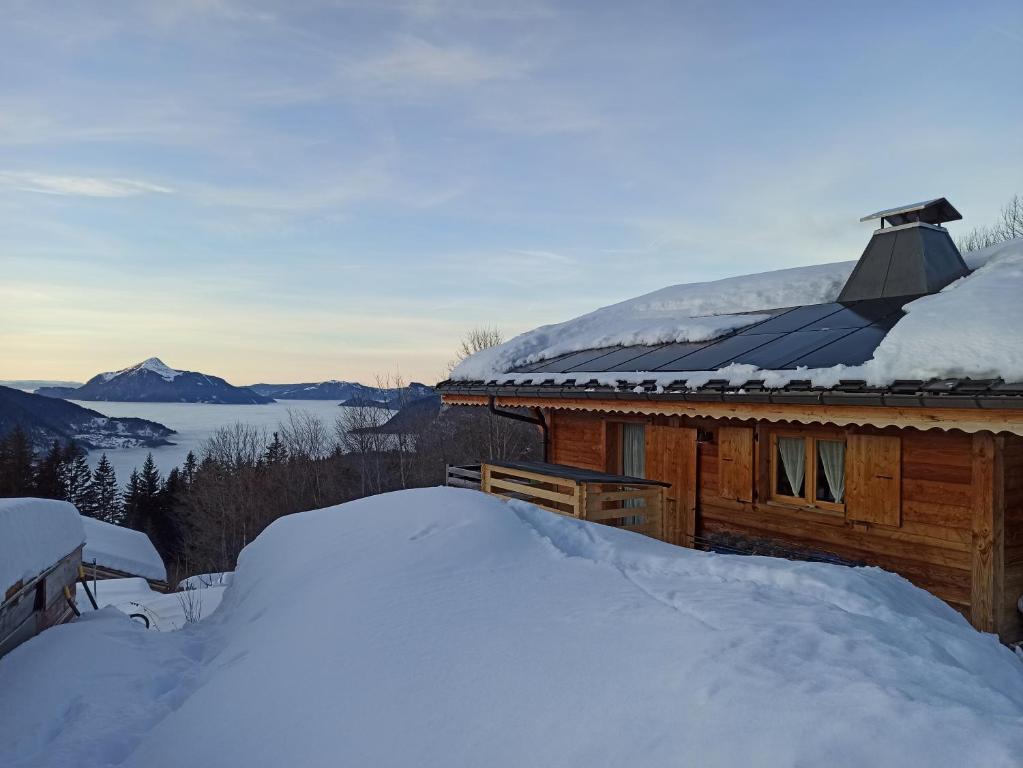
x: 633, y: 503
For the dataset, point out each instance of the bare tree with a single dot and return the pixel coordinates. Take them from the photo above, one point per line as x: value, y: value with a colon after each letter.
x: 475, y: 340
x: 1008, y: 227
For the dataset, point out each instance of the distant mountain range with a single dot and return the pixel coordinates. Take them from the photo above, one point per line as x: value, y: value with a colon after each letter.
x: 31, y: 385
x: 47, y: 419
x: 152, y: 381
x: 349, y: 393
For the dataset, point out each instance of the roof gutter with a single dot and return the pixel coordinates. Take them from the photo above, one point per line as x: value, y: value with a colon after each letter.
x: 808, y: 396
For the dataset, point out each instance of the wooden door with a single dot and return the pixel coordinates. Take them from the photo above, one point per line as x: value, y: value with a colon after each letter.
x: 671, y: 458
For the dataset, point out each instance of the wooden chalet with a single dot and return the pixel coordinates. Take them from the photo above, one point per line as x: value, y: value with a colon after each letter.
x: 923, y: 478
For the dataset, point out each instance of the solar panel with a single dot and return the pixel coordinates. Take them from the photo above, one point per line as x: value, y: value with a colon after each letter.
x: 794, y: 319
x: 656, y: 357
x: 859, y: 314
x: 565, y: 363
x: 783, y: 350
x: 718, y: 353
x: 618, y: 360
x: 852, y: 349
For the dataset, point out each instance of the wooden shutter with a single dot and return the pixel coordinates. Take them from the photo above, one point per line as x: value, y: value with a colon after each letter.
x: 671, y: 458
x: 735, y: 463
x: 873, y: 479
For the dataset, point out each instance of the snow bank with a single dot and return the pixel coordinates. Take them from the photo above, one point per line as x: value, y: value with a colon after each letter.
x: 35, y: 534
x: 687, y: 312
x: 207, y: 580
x: 166, y: 611
x: 443, y: 627
x: 968, y: 329
x: 123, y: 549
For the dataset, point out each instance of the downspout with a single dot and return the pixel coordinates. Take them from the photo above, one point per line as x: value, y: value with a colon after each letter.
x: 537, y: 420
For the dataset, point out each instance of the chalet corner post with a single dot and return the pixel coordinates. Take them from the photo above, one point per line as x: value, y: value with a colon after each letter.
x: 987, y: 545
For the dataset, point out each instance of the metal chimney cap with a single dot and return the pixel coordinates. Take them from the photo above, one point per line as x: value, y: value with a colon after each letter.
x: 933, y: 211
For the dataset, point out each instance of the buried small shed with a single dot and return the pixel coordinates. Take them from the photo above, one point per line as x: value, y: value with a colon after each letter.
x: 115, y: 552
x: 40, y: 556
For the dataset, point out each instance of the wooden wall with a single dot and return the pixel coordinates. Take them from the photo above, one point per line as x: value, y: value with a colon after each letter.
x: 577, y: 439
x: 1013, y: 552
x: 949, y: 482
x: 931, y: 547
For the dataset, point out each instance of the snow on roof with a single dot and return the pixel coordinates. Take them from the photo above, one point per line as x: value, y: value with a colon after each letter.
x: 35, y: 534
x: 501, y: 635
x: 968, y: 329
x: 122, y: 549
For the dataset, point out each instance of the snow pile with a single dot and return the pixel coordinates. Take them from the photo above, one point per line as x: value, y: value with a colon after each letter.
x: 443, y: 627
x: 122, y: 549
x: 687, y: 312
x: 207, y: 580
x: 166, y: 611
x: 968, y: 329
x: 35, y: 534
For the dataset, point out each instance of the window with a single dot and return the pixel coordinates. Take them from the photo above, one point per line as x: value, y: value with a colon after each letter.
x: 633, y: 463
x: 808, y: 470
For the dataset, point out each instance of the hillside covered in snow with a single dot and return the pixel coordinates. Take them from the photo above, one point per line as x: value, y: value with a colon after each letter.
x: 444, y: 627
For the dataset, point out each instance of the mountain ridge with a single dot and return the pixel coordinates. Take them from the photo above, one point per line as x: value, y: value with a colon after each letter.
x: 47, y: 419
x: 153, y: 381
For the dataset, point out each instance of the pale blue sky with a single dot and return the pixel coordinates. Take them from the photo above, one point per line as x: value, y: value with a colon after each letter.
x: 309, y: 190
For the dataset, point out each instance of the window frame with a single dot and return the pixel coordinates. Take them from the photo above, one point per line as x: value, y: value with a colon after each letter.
x: 810, y: 480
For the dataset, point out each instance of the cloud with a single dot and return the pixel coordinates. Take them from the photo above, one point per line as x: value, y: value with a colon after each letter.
x: 414, y: 61
x: 79, y: 186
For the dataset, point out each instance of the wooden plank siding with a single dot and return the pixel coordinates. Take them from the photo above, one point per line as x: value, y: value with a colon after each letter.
x: 1012, y: 553
x: 956, y: 528
x: 578, y: 440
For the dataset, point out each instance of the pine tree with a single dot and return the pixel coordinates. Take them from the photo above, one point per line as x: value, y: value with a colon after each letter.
x: 189, y: 469
x: 78, y: 481
x: 49, y: 475
x: 105, y: 495
x: 17, y: 459
x: 131, y: 508
x: 147, y: 500
x: 276, y: 452
x: 165, y: 524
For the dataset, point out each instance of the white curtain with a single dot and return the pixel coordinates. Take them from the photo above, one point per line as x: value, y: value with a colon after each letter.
x: 633, y: 450
x: 633, y: 462
x: 793, y: 459
x: 832, y: 453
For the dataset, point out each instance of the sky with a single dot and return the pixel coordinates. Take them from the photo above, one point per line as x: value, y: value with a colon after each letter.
x: 300, y: 191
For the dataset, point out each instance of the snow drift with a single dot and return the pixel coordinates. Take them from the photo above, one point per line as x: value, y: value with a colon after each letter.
x: 443, y: 627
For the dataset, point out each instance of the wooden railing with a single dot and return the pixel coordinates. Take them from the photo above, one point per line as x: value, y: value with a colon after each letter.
x: 469, y: 476
x: 637, y: 508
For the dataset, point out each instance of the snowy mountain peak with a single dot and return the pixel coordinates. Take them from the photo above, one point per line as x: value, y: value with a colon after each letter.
x: 157, y: 366
x: 153, y: 364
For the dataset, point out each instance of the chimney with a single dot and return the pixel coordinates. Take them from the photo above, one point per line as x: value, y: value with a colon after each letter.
x: 913, y: 255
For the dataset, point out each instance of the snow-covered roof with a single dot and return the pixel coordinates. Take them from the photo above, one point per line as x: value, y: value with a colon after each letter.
x: 969, y: 329
x: 497, y: 634
x: 35, y: 534
x: 122, y: 549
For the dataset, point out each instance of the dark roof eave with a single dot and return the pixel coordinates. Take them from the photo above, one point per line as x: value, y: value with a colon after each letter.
x: 879, y: 397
